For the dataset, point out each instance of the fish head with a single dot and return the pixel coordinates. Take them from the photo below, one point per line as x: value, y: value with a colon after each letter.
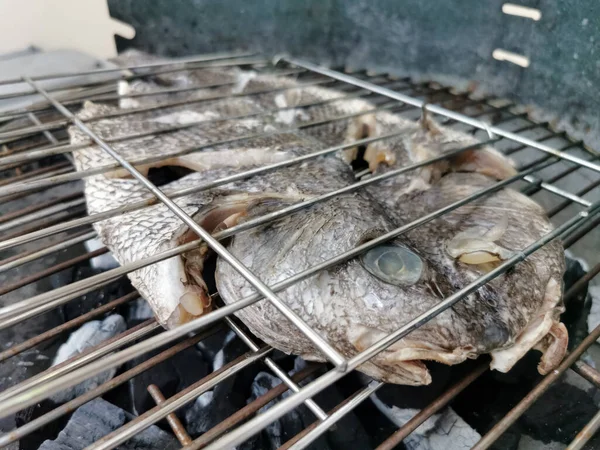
x: 354, y: 303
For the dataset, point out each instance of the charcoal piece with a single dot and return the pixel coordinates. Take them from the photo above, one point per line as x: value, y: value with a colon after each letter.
x: 88, y: 335
x: 98, y: 418
x: 563, y: 413
x: 445, y: 430
x: 577, y: 306
x: 229, y: 395
x: 33, y: 440
x: 347, y: 433
x: 171, y: 376
x: 92, y: 299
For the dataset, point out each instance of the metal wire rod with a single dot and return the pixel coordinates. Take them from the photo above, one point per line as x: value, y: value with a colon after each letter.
x: 253, y: 426
x: 436, y: 405
x: 516, y: 412
x: 105, y: 94
x: 6, y: 288
x: 80, y: 320
x: 251, y: 408
x: 441, y: 111
x: 588, y: 432
x: 47, y: 251
x: 183, y: 397
x: 40, y: 214
x: 184, y: 62
x: 330, y: 353
x: 159, y: 106
x: 15, y: 403
x: 322, y: 427
x: 72, y: 405
x: 81, y: 359
x: 310, y: 403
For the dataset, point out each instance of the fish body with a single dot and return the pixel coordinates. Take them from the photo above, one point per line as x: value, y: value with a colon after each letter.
x: 353, y: 304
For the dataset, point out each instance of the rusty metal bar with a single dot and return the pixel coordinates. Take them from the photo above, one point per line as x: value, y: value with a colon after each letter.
x: 499, y: 429
x: 20, y: 259
x: 182, y: 436
x: 177, y: 401
x: 83, y: 358
x: 26, y: 345
x: 72, y: 405
x: 588, y: 372
x: 250, y: 409
x: 36, y: 207
x: 410, y: 426
x: 586, y: 433
x: 58, y: 168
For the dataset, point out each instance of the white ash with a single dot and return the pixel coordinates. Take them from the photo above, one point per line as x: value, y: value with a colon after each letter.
x: 444, y: 431
x: 88, y: 335
x: 243, y: 79
x: 594, y: 316
x: 139, y: 310
x: 103, y: 262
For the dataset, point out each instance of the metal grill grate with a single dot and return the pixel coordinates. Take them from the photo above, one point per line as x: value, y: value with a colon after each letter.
x: 546, y: 158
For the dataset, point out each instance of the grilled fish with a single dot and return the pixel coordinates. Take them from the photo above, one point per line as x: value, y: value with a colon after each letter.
x: 355, y: 303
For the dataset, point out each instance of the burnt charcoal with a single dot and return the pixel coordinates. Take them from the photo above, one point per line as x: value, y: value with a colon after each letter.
x: 578, y: 306
x: 171, y: 376
x: 88, y: 335
x: 229, y: 395
x: 347, y: 433
x: 33, y: 440
x: 563, y: 413
x: 92, y: 299
x: 417, y: 396
x: 96, y: 419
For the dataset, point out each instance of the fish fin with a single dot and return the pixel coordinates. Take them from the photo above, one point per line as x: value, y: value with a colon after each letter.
x: 427, y: 123
x: 544, y: 332
x: 486, y: 161
x: 553, y: 347
x: 429, y: 142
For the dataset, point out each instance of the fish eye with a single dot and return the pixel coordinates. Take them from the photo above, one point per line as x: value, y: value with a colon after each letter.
x: 393, y: 264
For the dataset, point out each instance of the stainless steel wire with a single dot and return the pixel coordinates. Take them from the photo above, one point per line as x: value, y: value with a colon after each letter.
x: 24, y: 394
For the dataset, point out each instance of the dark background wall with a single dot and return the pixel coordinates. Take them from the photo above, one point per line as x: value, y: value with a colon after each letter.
x: 451, y: 39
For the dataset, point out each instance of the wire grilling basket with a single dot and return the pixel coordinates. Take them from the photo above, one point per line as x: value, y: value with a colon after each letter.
x: 36, y: 157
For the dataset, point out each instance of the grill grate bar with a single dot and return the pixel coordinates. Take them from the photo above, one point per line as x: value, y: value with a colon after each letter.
x: 177, y: 401
x: 570, y: 231
x: 52, y: 270
x: 174, y: 422
x: 26, y: 345
x: 183, y: 62
x: 586, y: 433
x: 70, y: 406
x: 536, y: 392
x: 441, y: 111
x: 436, y: 405
x: 310, y: 403
x: 331, y: 354
x: 253, y: 426
x: 347, y: 407
x: 83, y: 358
x: 104, y: 93
x: 46, y: 251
